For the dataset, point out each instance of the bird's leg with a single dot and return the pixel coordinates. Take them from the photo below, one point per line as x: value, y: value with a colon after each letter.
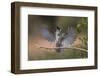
x: 59, y: 44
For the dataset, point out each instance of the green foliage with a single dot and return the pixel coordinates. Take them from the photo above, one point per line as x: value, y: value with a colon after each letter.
x: 82, y: 26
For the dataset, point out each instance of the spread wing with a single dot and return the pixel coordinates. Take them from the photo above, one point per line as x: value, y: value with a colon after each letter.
x: 69, y: 37
x: 47, y: 34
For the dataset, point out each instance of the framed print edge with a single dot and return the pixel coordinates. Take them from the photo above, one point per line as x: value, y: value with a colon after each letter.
x: 14, y: 43
x: 96, y: 37
x: 15, y: 37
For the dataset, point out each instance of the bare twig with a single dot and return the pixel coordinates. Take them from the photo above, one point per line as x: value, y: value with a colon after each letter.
x: 65, y: 48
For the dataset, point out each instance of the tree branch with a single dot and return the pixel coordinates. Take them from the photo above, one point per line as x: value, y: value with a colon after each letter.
x: 85, y: 50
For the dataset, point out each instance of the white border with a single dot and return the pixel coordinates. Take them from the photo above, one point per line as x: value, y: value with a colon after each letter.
x: 25, y: 64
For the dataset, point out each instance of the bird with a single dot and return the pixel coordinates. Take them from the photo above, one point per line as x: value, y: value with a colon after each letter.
x: 61, y: 39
